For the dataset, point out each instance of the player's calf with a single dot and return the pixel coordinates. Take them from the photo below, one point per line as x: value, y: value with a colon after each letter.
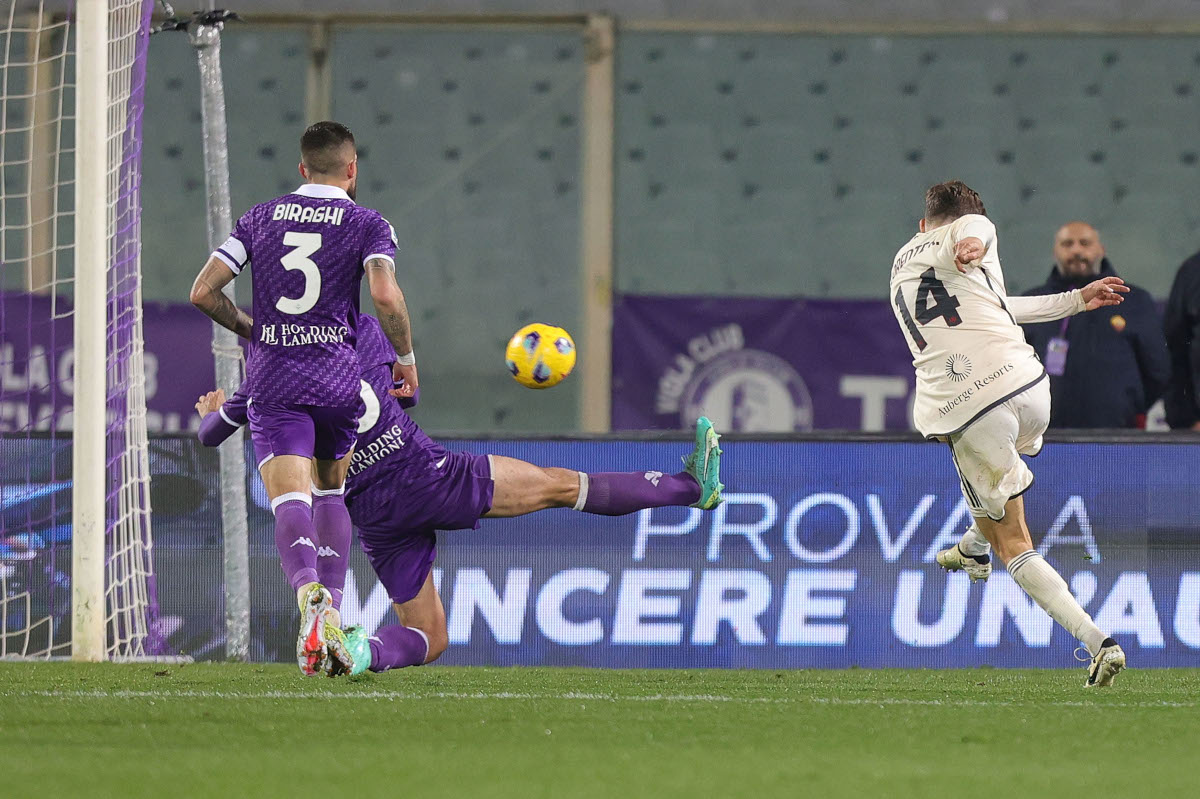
x: 332, y: 523
x: 698, y: 485
x: 521, y: 487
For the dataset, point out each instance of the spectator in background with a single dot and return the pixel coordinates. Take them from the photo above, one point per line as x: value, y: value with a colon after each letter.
x: 1108, y: 367
x: 1182, y: 328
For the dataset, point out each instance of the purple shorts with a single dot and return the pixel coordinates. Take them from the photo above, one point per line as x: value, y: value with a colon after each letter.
x: 396, y: 523
x: 309, y: 431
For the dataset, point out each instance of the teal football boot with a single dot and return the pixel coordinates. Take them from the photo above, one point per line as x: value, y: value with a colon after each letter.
x: 349, y: 651
x: 704, y: 464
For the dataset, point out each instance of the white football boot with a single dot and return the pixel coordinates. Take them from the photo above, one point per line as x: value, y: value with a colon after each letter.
x: 977, y: 567
x: 1107, y: 663
x: 312, y: 648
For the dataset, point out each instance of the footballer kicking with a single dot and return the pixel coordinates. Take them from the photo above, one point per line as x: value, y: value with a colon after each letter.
x: 982, y: 389
x: 309, y: 250
x: 402, y: 486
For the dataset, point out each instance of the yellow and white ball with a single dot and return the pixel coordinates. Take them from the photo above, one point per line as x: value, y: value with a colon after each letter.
x: 540, y: 355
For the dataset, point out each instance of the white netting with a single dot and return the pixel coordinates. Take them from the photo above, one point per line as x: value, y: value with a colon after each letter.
x: 37, y: 135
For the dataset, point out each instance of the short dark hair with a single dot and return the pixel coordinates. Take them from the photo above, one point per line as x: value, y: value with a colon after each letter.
x: 322, y: 144
x: 950, y: 200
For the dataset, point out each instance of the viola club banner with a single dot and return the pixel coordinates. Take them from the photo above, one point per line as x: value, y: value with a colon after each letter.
x: 759, y: 365
x: 37, y: 363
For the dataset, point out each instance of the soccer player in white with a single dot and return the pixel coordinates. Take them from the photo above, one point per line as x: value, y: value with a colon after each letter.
x: 982, y: 389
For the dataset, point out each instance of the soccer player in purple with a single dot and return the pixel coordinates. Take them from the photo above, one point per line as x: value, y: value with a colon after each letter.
x: 309, y: 250
x: 402, y: 486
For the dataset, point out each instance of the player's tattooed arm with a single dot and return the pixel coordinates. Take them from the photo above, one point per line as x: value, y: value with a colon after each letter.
x: 207, y: 295
x: 393, y: 315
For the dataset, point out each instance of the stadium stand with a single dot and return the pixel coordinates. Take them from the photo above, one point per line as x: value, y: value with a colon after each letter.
x: 745, y: 164
x: 1046, y: 127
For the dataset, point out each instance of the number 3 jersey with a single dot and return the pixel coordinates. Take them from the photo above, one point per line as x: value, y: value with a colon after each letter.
x: 308, y: 249
x: 968, y: 348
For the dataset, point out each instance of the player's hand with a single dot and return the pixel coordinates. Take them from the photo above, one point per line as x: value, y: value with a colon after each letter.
x: 210, y: 402
x: 406, y: 379
x: 969, y: 252
x: 1102, y: 292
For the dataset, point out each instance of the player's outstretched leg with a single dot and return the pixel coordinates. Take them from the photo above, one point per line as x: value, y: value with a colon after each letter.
x: 521, y: 487
x: 972, y: 554
x: 618, y: 493
x: 1011, y: 540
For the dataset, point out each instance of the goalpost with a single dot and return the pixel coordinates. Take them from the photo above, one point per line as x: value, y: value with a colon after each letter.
x: 73, y: 380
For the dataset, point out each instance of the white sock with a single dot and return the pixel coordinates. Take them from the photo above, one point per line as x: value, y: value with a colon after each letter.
x: 583, y: 491
x: 1039, y: 579
x: 973, y: 542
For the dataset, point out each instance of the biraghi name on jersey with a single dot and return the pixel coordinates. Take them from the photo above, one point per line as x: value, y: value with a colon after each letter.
x: 294, y: 212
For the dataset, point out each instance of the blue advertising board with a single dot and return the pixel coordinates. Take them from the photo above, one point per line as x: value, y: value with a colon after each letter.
x: 821, y: 556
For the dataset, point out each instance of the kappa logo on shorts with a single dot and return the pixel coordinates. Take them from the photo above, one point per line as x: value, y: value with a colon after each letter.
x: 326, y: 552
x: 654, y: 477
x: 306, y: 541
x: 958, y: 367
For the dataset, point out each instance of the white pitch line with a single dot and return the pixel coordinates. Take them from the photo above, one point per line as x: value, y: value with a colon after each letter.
x: 589, y: 697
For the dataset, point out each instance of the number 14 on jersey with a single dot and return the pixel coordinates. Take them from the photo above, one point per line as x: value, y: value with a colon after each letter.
x: 931, y: 302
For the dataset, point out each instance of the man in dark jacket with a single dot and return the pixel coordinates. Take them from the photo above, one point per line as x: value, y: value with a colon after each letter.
x: 1182, y: 328
x: 1108, y: 367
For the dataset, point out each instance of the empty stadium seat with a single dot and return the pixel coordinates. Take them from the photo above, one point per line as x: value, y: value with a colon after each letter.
x: 745, y: 163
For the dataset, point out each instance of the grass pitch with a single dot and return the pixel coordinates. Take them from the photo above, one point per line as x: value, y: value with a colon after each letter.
x: 261, y: 730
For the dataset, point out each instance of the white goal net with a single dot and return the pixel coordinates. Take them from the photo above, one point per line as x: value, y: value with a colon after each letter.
x: 46, y: 392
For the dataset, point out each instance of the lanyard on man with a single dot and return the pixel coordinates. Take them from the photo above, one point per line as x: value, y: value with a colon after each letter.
x: 1056, y: 351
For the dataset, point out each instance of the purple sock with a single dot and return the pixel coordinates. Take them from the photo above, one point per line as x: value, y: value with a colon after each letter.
x: 295, y: 538
x: 397, y: 646
x: 332, y: 521
x: 618, y: 493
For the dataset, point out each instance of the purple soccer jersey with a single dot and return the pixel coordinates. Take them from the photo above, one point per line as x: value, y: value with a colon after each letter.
x: 402, y: 485
x: 307, y: 249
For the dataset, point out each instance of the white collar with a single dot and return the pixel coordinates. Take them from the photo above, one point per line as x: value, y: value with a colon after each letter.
x: 322, y: 191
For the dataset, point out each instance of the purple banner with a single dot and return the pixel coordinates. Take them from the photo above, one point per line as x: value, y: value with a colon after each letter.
x: 759, y: 365
x: 37, y: 363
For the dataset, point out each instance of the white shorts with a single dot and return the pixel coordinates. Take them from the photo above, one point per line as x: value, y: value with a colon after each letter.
x: 988, y: 454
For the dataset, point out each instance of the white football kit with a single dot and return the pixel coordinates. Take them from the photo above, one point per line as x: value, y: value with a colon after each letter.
x: 980, y: 386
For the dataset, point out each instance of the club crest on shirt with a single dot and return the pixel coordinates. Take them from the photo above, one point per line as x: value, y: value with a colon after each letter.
x: 958, y: 367
x: 1118, y: 322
